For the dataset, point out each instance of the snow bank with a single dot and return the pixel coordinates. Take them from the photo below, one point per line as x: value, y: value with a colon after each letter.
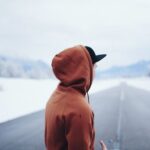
x: 99, y: 85
x: 142, y: 83
x: 23, y: 96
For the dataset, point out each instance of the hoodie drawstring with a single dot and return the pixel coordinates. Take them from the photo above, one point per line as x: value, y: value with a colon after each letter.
x: 86, y: 91
x: 88, y: 97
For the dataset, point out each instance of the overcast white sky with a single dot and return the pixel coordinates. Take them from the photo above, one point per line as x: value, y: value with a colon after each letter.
x: 38, y: 29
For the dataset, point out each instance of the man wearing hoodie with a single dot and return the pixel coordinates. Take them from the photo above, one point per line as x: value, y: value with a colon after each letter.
x: 69, y: 119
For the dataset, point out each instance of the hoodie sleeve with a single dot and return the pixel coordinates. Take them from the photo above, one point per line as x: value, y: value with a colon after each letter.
x: 80, y: 132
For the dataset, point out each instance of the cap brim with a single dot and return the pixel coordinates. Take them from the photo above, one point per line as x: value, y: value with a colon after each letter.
x: 99, y: 57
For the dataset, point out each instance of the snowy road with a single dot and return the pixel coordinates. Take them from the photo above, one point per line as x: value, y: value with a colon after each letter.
x: 24, y: 133
x: 122, y: 120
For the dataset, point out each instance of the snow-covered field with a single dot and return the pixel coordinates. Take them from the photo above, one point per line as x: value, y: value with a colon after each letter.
x: 23, y: 96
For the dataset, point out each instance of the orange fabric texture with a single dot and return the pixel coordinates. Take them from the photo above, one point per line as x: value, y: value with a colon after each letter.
x: 69, y: 119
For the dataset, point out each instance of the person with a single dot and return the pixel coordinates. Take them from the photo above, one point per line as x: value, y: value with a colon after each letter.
x: 69, y: 119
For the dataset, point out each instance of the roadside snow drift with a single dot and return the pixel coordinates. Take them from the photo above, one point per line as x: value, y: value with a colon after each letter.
x: 19, y: 97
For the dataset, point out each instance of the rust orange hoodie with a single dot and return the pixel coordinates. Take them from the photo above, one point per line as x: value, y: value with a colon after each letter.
x: 69, y: 119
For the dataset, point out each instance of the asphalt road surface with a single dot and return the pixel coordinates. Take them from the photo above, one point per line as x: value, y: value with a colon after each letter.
x: 122, y: 120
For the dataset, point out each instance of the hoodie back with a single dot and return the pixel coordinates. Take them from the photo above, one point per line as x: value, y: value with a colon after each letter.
x: 69, y: 119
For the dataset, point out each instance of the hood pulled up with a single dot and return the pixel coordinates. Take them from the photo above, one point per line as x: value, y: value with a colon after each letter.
x: 73, y: 67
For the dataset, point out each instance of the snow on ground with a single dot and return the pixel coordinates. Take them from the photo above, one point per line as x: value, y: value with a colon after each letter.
x: 142, y: 83
x: 23, y: 96
x: 99, y: 85
x: 19, y: 97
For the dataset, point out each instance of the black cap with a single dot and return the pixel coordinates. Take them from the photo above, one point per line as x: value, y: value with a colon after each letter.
x: 95, y: 58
